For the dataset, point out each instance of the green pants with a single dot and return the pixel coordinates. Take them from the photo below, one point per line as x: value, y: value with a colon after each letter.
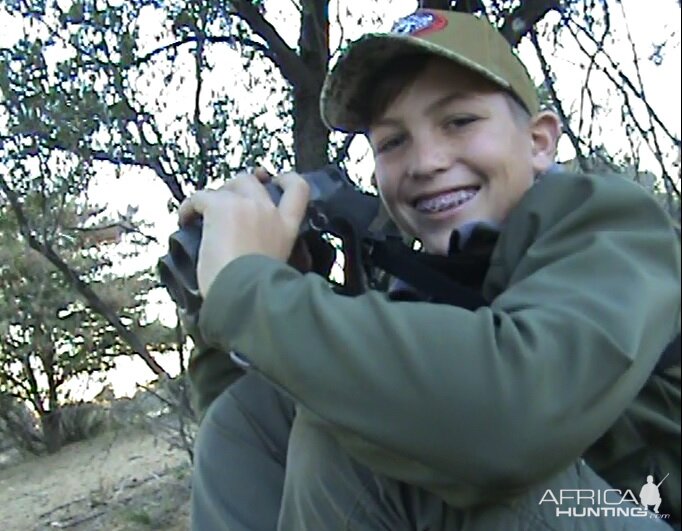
x: 260, y: 466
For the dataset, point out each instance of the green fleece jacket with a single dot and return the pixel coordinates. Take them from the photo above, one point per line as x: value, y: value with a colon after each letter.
x: 584, y: 288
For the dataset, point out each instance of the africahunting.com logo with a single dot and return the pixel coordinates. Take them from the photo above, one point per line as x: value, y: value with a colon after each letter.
x: 589, y: 503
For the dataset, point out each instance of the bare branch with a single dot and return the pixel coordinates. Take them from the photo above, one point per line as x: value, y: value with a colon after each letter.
x: 213, y: 39
x: 645, y: 133
x: 111, y: 231
x: 180, y: 339
x: 628, y: 82
x: 34, y: 395
x: 519, y: 21
x: 145, y: 162
x: 290, y: 64
x: 667, y: 181
x: 575, y: 142
x: 670, y: 185
x: 586, y: 91
x: 516, y: 23
x: 198, y: 126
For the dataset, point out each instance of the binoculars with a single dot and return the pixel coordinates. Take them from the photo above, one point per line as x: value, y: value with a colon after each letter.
x: 337, y: 206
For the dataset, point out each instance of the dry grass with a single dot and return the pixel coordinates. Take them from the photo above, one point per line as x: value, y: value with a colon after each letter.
x: 120, y: 480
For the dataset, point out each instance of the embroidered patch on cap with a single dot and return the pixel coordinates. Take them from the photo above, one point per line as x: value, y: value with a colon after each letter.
x: 419, y: 23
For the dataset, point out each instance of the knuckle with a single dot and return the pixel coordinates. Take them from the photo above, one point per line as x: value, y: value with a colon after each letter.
x: 297, y: 181
x: 237, y: 180
x: 300, y: 181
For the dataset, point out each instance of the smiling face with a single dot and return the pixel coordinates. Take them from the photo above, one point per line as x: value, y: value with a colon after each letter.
x: 451, y: 148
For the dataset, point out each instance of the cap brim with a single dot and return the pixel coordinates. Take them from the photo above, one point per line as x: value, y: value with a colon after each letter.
x: 361, y: 61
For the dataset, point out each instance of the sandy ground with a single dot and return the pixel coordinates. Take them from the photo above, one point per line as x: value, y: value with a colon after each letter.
x: 116, y: 481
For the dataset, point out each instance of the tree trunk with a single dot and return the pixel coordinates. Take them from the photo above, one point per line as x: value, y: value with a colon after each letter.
x: 52, y: 433
x: 311, y: 137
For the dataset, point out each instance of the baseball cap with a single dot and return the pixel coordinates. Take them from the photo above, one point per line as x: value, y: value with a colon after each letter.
x: 467, y: 40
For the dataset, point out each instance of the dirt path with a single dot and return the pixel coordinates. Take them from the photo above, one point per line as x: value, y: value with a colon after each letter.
x: 115, y: 481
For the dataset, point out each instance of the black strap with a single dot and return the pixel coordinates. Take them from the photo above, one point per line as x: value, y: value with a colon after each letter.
x: 402, y: 262
x: 431, y: 281
x: 448, y: 280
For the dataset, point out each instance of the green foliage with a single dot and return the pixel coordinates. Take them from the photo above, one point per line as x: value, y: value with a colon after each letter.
x: 114, y: 83
x: 45, y: 327
x: 98, y: 87
x: 48, y: 334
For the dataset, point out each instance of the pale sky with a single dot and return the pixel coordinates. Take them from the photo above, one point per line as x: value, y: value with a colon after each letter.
x: 650, y: 22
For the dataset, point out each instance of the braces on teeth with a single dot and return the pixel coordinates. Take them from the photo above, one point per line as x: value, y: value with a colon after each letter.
x: 446, y: 201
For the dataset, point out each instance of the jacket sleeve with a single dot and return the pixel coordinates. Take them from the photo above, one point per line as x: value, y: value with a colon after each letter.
x: 584, y: 287
x: 210, y: 370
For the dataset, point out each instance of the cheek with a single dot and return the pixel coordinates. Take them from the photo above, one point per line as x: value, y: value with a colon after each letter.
x: 487, y: 141
x: 508, y: 191
x: 388, y: 186
x: 498, y: 144
x: 386, y: 182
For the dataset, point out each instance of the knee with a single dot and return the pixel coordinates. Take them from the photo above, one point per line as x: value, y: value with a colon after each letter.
x: 321, y: 479
x: 212, y: 423
x: 312, y: 458
x: 248, y: 414
x: 239, y: 458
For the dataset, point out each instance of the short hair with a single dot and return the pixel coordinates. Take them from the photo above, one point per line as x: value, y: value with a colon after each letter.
x: 383, y: 87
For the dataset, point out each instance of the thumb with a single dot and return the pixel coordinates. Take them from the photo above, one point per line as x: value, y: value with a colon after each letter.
x: 193, y: 207
x: 294, y: 201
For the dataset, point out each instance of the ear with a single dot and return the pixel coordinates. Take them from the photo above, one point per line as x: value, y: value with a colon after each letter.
x: 545, y: 128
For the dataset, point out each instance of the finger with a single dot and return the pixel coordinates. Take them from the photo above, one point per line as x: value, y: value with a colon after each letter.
x: 192, y: 207
x: 294, y: 201
x: 300, y: 257
x: 248, y: 185
x: 259, y: 172
x: 262, y: 174
x: 230, y: 183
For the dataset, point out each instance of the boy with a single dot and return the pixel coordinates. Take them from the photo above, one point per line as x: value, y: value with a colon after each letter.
x: 370, y: 413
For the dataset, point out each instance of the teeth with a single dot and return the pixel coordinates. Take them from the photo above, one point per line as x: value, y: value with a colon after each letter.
x: 446, y: 201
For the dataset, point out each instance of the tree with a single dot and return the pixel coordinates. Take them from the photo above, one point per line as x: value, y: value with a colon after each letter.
x: 608, y: 57
x: 48, y: 333
x: 107, y: 97
x: 192, y: 91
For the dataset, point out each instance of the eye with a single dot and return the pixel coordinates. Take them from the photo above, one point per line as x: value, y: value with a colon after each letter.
x: 390, y: 143
x: 458, y: 122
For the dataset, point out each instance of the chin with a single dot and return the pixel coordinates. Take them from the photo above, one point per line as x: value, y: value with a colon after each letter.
x: 437, y: 247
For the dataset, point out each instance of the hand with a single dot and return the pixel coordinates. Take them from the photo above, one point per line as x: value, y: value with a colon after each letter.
x: 300, y: 258
x: 240, y: 219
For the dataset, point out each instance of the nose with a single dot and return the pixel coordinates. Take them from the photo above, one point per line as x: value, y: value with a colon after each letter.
x: 431, y: 155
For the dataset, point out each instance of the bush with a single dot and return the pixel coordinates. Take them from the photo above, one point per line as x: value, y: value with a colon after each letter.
x: 19, y: 428
x: 83, y: 420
